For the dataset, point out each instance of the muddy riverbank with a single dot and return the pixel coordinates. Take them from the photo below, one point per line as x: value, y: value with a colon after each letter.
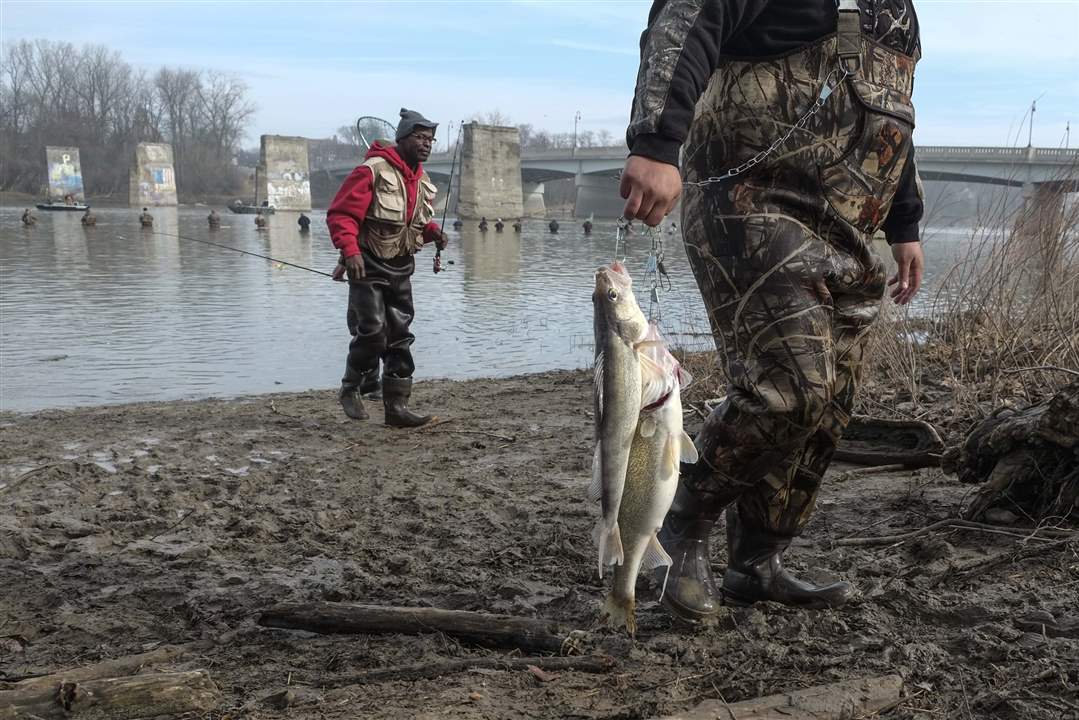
x: 128, y: 527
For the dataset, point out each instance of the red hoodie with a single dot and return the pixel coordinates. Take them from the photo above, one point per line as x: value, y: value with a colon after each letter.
x: 349, y: 208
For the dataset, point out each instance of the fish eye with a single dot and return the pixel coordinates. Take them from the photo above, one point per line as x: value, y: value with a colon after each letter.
x: 612, y: 295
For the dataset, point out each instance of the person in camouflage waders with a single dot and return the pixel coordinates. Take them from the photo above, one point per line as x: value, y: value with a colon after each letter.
x: 809, y: 101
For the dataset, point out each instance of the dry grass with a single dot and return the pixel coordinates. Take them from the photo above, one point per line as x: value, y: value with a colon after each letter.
x: 1003, y: 326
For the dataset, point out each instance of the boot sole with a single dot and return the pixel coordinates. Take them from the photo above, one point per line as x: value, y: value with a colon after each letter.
x: 686, y: 615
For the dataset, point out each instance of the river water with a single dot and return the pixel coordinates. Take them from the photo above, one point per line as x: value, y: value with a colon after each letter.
x: 116, y: 314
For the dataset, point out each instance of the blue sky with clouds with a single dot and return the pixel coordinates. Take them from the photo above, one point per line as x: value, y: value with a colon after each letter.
x: 314, y: 66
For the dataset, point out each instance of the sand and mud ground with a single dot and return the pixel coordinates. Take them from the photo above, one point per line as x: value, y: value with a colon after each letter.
x: 123, y: 528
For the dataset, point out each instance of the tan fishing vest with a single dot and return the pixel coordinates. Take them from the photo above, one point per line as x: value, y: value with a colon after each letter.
x: 851, y: 152
x: 386, y: 231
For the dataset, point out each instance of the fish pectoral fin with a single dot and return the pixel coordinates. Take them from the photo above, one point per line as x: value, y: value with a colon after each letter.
x: 647, y: 427
x: 610, y: 545
x: 689, y: 452
x: 684, y: 378
x: 655, y: 556
x: 595, y: 487
x: 653, y: 381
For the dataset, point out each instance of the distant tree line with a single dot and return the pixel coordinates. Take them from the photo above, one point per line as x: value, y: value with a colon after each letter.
x: 345, y: 143
x: 52, y: 93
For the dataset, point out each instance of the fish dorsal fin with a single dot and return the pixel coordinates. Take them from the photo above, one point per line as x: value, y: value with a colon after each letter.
x: 595, y: 487
x: 599, y: 388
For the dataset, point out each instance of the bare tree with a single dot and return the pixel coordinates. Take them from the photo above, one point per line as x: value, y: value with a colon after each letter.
x: 55, y: 94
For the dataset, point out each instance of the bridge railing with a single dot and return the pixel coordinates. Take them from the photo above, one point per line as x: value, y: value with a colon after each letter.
x: 1050, y: 155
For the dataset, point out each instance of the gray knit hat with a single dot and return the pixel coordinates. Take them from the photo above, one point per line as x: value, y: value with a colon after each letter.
x: 410, y: 120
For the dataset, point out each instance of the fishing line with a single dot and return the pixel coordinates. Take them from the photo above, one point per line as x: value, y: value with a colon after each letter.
x: 245, y: 252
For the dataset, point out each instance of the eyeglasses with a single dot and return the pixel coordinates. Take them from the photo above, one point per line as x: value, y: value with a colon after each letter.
x: 425, y: 139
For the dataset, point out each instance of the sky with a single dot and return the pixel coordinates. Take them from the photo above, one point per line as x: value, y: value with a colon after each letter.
x: 314, y: 66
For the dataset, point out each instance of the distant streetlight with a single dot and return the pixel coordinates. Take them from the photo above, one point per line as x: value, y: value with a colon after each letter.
x: 1030, y: 130
x: 576, y: 121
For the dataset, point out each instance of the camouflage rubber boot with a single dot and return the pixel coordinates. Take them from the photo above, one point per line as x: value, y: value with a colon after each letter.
x: 395, y: 394
x: 690, y: 593
x: 350, y: 399
x: 755, y: 571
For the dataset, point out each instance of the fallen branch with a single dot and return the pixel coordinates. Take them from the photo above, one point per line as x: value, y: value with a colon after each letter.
x: 1041, y: 367
x: 428, y: 671
x: 873, y: 470
x: 838, y: 701
x: 957, y: 524
x: 123, y: 698
x: 981, y: 566
x: 527, y: 634
x: 504, y: 438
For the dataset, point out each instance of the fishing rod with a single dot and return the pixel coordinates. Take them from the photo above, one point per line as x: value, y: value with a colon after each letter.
x: 245, y: 252
x: 449, y: 191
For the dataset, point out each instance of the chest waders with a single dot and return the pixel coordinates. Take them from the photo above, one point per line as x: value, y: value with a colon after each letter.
x: 782, y: 255
x: 380, y: 308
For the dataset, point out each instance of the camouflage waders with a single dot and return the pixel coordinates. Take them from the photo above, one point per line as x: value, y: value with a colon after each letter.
x: 782, y: 255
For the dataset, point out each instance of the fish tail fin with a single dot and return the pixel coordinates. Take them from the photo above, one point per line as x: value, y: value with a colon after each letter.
x: 620, y: 611
x: 655, y: 556
x: 610, y: 545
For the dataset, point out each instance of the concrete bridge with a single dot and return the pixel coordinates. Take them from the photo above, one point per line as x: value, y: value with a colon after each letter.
x: 595, y: 171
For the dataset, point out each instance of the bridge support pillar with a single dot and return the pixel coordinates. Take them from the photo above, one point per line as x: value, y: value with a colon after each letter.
x: 597, y: 195
x: 284, y: 175
x: 532, y: 199
x: 153, y: 179
x: 490, y: 172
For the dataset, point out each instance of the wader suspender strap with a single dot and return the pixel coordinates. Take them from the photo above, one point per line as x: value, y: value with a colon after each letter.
x: 849, y: 36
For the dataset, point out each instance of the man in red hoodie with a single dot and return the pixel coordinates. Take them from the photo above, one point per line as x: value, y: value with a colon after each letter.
x: 380, y: 218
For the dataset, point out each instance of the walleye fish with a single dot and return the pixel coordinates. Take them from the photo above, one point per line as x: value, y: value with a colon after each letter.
x: 619, y: 325
x: 659, y: 445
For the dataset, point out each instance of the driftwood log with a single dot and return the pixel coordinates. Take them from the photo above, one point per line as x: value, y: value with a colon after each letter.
x: 1026, y: 460
x: 122, y: 698
x: 838, y: 701
x: 116, y: 667
x: 878, y: 441
x: 429, y: 670
x: 504, y: 631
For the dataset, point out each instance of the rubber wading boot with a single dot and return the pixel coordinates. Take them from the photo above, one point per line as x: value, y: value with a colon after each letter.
x: 395, y: 394
x: 755, y: 571
x: 690, y: 593
x: 371, y: 385
x: 349, y: 396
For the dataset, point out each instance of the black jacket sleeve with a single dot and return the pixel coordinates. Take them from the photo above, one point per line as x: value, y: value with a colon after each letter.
x: 679, y: 51
x: 901, y: 225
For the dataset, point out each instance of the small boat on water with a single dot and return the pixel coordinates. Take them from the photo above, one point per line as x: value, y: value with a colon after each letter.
x: 72, y: 207
x: 242, y: 209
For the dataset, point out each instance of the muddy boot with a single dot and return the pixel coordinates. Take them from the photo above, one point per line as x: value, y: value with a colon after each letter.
x: 395, y: 394
x: 690, y: 594
x: 371, y: 385
x: 350, y: 400
x: 755, y: 571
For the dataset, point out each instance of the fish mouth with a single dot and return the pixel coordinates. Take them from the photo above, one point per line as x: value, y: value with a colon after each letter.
x: 613, y: 275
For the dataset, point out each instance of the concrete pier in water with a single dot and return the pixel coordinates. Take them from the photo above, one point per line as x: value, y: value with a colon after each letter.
x: 153, y: 178
x: 490, y: 173
x: 284, y: 176
x: 64, y: 174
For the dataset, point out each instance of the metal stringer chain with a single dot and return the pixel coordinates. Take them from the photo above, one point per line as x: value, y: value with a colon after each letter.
x: 839, y: 74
